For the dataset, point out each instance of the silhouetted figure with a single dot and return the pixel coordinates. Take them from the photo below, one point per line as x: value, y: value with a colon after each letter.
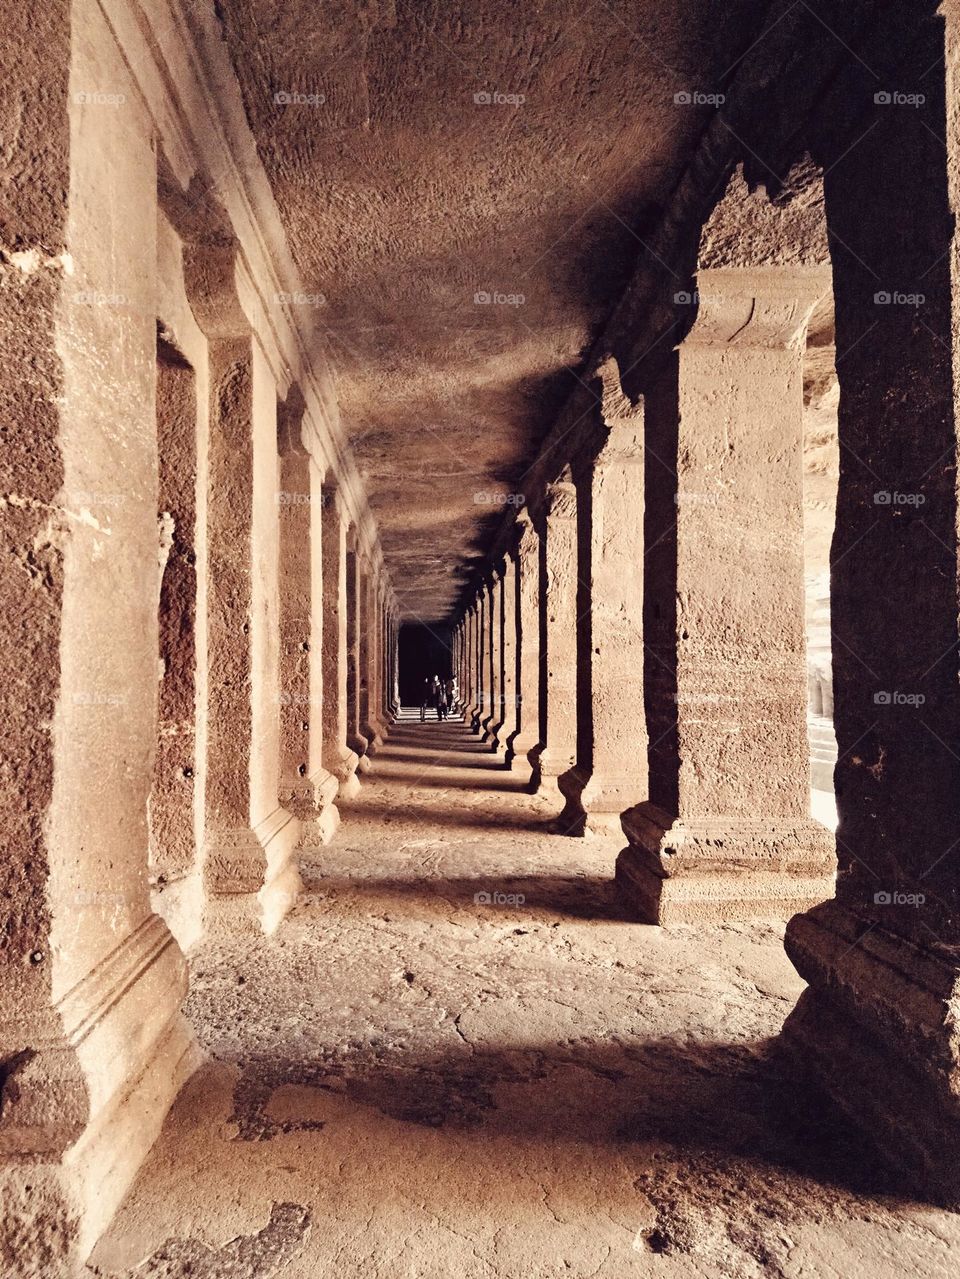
x: 437, y: 698
x: 427, y: 697
x: 451, y: 694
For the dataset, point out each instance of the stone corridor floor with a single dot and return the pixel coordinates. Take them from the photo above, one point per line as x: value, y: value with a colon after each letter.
x: 457, y: 1059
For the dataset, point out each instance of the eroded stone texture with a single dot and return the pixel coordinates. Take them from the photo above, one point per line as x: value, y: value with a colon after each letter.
x: 877, y: 1025
x: 610, y: 774
x: 307, y: 789
x: 526, y: 557
x: 338, y: 757
x: 726, y: 831
x: 356, y: 741
x: 173, y: 850
x: 557, y: 750
x: 509, y: 718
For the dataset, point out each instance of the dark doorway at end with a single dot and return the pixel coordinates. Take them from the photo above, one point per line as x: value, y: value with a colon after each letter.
x: 424, y: 651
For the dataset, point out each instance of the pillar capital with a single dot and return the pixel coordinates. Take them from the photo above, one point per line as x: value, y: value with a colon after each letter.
x: 560, y: 501
x: 765, y: 306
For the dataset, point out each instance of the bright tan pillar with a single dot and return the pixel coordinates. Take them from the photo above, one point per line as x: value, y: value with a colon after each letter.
x: 611, y: 771
x: 337, y: 756
x: 726, y: 833
x: 307, y: 789
x: 558, y: 637
x: 525, y: 556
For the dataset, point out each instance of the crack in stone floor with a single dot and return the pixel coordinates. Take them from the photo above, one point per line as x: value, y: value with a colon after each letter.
x: 411, y: 1080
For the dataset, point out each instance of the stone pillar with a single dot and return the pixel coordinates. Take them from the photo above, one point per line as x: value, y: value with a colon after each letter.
x: 92, y: 1041
x: 234, y: 861
x: 525, y: 556
x: 307, y: 788
x: 494, y: 716
x: 356, y: 741
x: 470, y: 665
x: 481, y: 661
x: 508, y: 695
x: 558, y: 638
x: 611, y: 771
x: 726, y: 832
x: 877, y: 1024
x: 394, y: 662
x: 369, y: 725
x: 176, y: 893
x: 337, y: 756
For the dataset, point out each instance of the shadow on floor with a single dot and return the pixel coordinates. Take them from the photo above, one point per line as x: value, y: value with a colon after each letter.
x: 733, y: 1101
x: 570, y: 897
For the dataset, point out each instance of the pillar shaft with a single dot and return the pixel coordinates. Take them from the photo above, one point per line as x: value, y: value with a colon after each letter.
x: 494, y: 706
x: 877, y: 1022
x: 369, y: 631
x: 509, y: 718
x: 525, y: 557
x: 338, y: 758
x: 481, y: 660
x: 726, y: 832
x: 558, y: 638
x: 611, y: 771
x: 307, y: 789
x: 356, y: 740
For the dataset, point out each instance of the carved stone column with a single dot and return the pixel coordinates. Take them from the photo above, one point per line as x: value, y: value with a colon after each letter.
x: 877, y: 1024
x: 508, y: 696
x: 337, y: 756
x: 482, y: 661
x: 356, y: 740
x: 526, y: 560
x: 470, y: 687
x: 494, y: 717
x: 611, y: 771
x: 558, y: 638
x: 369, y: 633
x: 726, y: 833
x: 307, y: 788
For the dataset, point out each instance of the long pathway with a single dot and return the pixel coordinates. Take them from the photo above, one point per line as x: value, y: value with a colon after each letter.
x: 456, y: 1059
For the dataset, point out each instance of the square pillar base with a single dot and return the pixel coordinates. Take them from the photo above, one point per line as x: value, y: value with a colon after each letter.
x: 876, y: 1032
x: 717, y: 870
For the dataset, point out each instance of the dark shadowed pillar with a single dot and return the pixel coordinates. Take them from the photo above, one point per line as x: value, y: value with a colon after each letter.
x: 877, y: 1025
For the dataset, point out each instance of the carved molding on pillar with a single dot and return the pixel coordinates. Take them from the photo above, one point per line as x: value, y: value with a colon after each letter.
x: 758, y: 306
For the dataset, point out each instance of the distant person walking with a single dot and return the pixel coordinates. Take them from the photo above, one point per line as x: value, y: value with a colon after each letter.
x: 451, y: 693
x: 427, y: 697
x: 436, y: 692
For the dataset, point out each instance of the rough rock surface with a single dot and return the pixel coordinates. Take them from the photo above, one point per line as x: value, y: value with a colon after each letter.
x: 408, y: 1082
x: 424, y: 156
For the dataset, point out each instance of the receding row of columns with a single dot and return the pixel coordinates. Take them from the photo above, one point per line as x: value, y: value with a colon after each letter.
x: 661, y: 603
